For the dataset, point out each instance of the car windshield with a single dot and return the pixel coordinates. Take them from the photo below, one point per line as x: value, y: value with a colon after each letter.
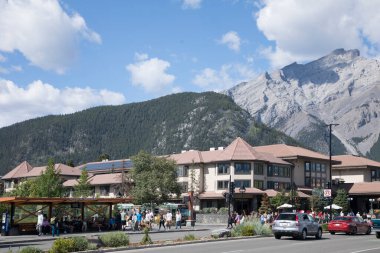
x: 286, y: 216
x: 342, y: 218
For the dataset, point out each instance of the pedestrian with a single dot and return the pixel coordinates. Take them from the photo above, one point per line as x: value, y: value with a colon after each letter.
x: 178, y: 218
x: 40, y: 220
x: 138, y: 220
x: 234, y: 218
x: 230, y: 221
x: 54, y: 226
x: 162, y: 222
x: 169, y: 219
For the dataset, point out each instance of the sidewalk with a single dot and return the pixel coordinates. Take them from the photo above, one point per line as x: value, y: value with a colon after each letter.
x: 36, y: 238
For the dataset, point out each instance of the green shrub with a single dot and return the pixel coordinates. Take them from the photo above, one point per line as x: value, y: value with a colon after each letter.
x: 80, y: 243
x: 31, y: 249
x: 223, y: 210
x: 92, y: 246
x: 146, y: 238
x: 62, y: 245
x: 251, y: 226
x: 247, y: 230
x: 114, y: 239
x: 324, y: 227
x: 189, y: 237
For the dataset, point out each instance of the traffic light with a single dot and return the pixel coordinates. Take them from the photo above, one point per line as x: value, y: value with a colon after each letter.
x: 232, y: 188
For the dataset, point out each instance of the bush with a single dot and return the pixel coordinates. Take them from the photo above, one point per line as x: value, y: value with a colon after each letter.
x: 92, y: 246
x: 114, y: 239
x: 223, y: 210
x: 189, y: 237
x: 62, y: 245
x: 324, y: 227
x: 251, y: 226
x: 80, y: 243
x: 30, y: 249
x: 209, y: 210
x: 247, y: 230
x: 146, y: 238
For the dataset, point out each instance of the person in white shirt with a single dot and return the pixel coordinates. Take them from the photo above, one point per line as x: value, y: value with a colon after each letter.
x: 169, y: 218
x: 40, y: 220
x: 178, y: 218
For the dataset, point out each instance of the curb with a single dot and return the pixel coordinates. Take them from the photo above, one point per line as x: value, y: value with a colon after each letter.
x: 50, y: 238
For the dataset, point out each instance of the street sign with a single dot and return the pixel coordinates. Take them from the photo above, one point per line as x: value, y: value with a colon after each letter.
x: 327, y: 193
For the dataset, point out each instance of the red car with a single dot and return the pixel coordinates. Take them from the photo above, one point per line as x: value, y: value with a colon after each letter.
x: 350, y: 225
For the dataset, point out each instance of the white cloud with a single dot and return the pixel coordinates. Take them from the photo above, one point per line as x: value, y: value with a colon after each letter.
x: 191, y: 4
x: 38, y: 99
x: 227, y: 76
x: 304, y: 30
x: 232, y: 40
x: 43, y: 32
x: 150, y: 73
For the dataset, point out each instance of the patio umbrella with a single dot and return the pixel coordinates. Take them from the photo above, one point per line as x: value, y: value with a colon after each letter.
x: 285, y: 206
x: 335, y: 207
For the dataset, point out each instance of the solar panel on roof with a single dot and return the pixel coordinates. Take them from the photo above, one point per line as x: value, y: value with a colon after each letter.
x: 109, y: 165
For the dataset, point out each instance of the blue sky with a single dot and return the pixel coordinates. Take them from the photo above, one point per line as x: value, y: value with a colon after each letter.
x: 58, y: 57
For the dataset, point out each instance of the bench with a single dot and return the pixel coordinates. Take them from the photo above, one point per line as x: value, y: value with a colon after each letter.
x: 27, y: 228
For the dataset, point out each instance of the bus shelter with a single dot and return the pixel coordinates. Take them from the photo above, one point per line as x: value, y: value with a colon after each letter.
x: 21, y: 214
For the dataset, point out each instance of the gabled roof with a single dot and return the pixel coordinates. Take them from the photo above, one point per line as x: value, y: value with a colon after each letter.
x: 291, y: 152
x: 104, y: 179
x: 19, y: 171
x: 238, y: 150
x: 365, y: 188
x: 62, y: 168
x: 355, y: 161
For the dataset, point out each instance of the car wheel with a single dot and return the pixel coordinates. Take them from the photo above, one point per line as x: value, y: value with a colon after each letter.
x: 378, y: 235
x: 333, y: 233
x: 354, y: 231
x: 319, y: 234
x: 369, y: 231
x: 278, y: 237
x: 304, y: 234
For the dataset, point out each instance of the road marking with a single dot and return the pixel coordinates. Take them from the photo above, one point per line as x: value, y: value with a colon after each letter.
x: 364, y: 250
x: 234, y: 251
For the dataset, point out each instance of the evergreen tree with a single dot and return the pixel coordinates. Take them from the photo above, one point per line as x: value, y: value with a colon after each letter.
x: 83, y: 188
x: 341, y: 200
x: 265, y: 206
x: 49, y: 183
x: 154, y: 178
x: 279, y: 199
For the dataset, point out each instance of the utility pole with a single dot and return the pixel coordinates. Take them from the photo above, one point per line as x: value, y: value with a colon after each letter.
x: 330, y: 154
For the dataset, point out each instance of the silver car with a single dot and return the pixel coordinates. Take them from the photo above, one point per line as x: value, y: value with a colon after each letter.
x: 297, y: 225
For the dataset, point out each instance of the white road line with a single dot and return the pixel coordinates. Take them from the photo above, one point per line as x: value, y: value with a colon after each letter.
x: 234, y: 251
x: 364, y: 250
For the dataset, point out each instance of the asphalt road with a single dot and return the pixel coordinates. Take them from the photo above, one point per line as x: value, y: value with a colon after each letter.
x: 329, y: 243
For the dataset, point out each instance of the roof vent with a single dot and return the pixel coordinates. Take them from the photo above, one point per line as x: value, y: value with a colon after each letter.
x: 212, y: 149
x: 220, y: 148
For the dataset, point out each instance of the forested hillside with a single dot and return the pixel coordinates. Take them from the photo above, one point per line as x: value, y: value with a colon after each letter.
x: 160, y: 126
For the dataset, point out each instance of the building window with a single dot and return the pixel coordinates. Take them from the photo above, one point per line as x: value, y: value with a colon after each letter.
x: 315, y: 174
x: 183, y: 171
x: 184, y: 187
x: 375, y: 175
x: 223, y: 185
x: 223, y: 168
x: 243, y: 168
x: 245, y: 183
x: 104, y: 190
x: 278, y: 171
x: 259, y: 184
x: 278, y: 185
x: 259, y: 168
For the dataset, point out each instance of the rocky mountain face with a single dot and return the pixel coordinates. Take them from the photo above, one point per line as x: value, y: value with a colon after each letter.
x: 300, y: 99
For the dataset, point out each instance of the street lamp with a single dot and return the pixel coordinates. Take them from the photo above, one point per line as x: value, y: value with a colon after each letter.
x: 371, y: 202
x: 242, y: 190
x: 330, y: 154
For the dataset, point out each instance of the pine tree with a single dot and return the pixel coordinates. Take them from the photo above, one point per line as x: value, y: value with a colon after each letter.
x: 83, y: 188
x: 264, y: 208
x: 49, y: 184
x: 341, y: 200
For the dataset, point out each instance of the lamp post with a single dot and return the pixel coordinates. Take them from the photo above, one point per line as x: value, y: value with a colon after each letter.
x: 330, y: 154
x: 371, y: 202
x: 242, y: 190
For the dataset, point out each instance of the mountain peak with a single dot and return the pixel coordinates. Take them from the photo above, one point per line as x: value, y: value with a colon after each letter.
x: 352, y: 52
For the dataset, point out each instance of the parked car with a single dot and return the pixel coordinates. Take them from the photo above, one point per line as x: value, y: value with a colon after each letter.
x: 297, y: 225
x: 349, y: 225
